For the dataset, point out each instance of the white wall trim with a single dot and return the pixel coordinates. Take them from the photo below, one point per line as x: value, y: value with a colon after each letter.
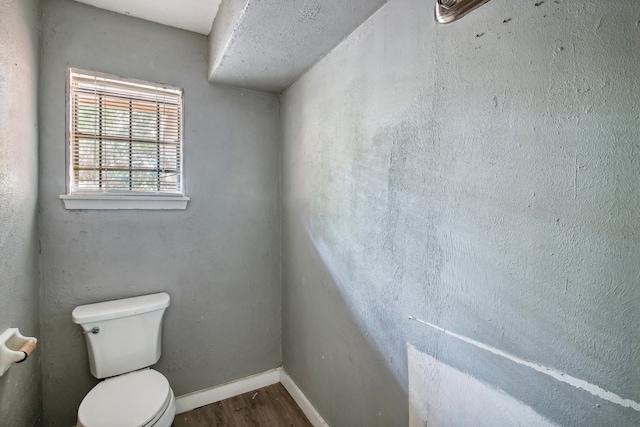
x: 200, y: 398
x: 302, y: 401
x: 86, y: 201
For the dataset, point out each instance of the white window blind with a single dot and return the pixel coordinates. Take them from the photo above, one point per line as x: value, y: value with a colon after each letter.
x: 125, y: 136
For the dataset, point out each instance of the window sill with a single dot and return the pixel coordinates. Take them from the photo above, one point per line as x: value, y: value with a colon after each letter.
x: 88, y: 201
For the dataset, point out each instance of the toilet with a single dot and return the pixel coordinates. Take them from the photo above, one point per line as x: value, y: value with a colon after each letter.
x: 123, y: 338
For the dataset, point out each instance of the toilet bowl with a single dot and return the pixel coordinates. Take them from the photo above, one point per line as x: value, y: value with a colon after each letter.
x: 137, y: 399
x: 124, y: 340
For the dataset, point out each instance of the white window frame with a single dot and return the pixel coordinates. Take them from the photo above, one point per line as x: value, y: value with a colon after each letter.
x: 119, y: 199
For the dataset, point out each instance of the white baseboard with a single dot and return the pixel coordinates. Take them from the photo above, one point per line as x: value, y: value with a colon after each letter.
x: 200, y: 398
x: 302, y: 401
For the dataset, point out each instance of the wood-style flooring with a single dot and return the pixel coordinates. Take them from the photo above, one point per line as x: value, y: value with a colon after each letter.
x: 270, y: 406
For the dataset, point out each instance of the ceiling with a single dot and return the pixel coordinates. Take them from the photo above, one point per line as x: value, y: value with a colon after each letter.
x: 191, y: 15
x: 267, y: 44
x: 256, y: 44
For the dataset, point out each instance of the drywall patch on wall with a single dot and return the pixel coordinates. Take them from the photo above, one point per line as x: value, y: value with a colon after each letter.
x: 440, y: 396
x: 553, y: 373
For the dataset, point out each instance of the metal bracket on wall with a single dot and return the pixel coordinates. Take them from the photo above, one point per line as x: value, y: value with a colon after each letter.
x: 451, y: 10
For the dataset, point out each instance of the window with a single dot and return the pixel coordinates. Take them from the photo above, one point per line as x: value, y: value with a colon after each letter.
x: 125, y: 144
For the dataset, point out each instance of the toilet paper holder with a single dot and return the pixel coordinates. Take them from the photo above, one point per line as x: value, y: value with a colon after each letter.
x: 14, y: 348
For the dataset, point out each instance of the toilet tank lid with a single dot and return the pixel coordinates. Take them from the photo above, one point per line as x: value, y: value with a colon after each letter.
x: 99, y: 311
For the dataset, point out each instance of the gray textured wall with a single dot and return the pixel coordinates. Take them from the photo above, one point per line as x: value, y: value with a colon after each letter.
x: 219, y: 259
x: 482, y: 176
x: 20, y: 386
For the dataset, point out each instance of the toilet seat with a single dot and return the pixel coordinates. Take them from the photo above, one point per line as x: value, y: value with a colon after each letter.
x: 136, y: 399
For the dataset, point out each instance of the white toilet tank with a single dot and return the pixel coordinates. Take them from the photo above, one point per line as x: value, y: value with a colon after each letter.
x: 122, y: 335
